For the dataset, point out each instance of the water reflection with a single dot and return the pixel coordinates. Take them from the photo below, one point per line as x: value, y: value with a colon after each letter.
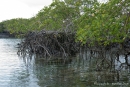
x: 7, y: 60
x: 57, y: 76
x: 23, y: 78
x: 80, y: 72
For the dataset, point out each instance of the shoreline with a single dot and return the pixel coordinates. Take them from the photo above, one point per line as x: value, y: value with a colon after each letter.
x: 6, y: 35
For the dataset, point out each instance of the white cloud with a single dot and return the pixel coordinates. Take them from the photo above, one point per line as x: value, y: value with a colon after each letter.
x: 36, y: 3
x: 20, y: 8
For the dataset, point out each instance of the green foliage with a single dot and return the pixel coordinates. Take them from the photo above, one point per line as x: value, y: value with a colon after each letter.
x: 92, y: 21
x: 2, y: 27
x: 16, y: 26
x: 104, y: 23
x: 57, y: 16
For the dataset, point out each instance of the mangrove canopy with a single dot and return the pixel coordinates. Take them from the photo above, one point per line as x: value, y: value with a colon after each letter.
x: 92, y: 21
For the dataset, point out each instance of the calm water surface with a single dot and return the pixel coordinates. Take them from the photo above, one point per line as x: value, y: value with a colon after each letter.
x: 14, y: 72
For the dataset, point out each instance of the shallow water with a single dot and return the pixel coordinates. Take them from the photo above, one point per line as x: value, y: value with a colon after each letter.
x: 14, y: 72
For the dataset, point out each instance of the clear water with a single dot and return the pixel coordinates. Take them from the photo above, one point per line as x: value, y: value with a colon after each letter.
x: 14, y: 72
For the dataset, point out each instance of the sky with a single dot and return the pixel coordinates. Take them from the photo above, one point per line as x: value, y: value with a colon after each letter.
x: 10, y: 9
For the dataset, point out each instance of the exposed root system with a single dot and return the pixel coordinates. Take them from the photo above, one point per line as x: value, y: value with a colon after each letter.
x: 55, y: 46
x: 48, y: 44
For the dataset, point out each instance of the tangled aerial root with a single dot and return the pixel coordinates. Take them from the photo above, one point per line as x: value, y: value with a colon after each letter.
x: 48, y: 44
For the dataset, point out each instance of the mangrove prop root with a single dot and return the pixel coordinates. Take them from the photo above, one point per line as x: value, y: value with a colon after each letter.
x: 48, y: 43
x: 62, y: 44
